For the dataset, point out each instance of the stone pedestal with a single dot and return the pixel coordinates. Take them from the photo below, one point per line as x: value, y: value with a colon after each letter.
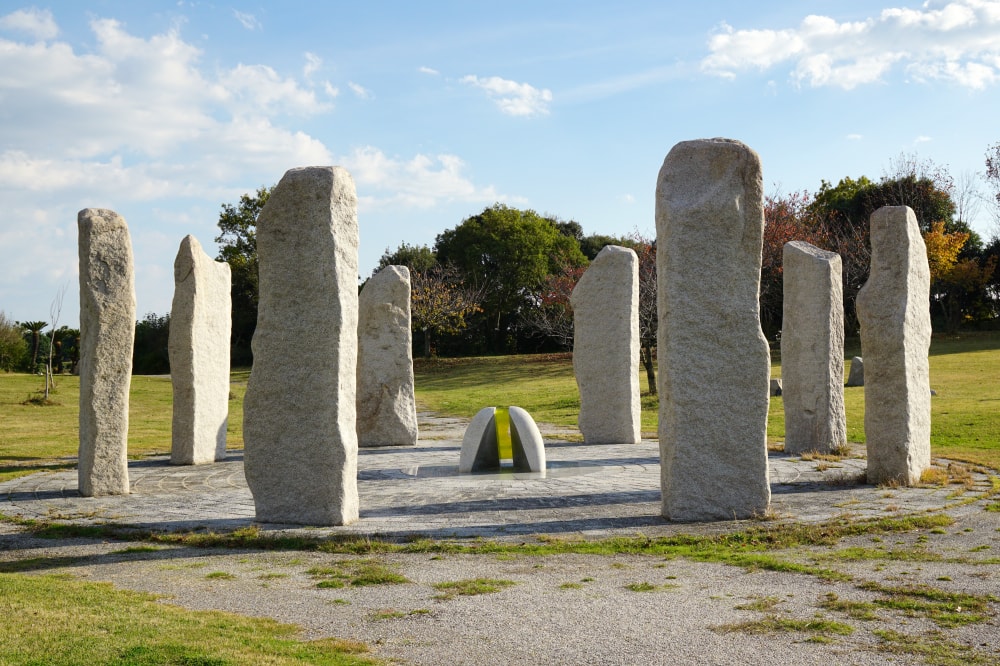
x: 200, y: 327
x: 812, y: 349
x: 895, y: 340
x: 606, y: 348
x: 107, y: 335
x: 300, y: 440
x: 713, y: 357
x: 387, y: 410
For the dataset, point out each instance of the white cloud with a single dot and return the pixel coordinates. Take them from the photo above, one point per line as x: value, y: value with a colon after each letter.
x: 957, y: 41
x: 428, y: 70
x: 855, y: 137
x: 330, y: 89
x: 313, y: 63
x: 422, y: 181
x: 513, y: 98
x: 248, y: 21
x: 38, y: 23
x: 922, y: 139
x: 360, y: 91
x: 265, y: 91
x: 626, y: 199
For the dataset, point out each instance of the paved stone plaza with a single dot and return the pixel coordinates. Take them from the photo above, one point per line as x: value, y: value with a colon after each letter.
x: 589, y: 490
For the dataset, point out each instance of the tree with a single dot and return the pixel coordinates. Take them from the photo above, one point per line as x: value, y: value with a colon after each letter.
x: 34, y: 330
x: 439, y: 302
x: 417, y: 258
x: 551, y: 314
x: 13, y: 348
x: 238, y: 247
x: 152, y: 335
x: 645, y: 249
x: 992, y: 178
x: 505, y: 254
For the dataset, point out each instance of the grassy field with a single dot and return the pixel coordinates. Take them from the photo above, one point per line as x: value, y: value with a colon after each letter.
x: 965, y: 372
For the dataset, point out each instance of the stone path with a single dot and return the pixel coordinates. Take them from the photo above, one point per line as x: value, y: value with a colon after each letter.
x: 588, y: 490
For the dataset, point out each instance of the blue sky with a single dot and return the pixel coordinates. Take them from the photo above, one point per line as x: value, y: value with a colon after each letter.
x: 162, y: 111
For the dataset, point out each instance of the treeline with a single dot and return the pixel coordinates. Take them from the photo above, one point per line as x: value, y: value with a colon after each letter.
x: 499, y: 282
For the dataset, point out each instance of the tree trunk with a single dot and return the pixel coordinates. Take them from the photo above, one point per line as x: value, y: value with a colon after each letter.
x: 427, y: 343
x: 646, y: 356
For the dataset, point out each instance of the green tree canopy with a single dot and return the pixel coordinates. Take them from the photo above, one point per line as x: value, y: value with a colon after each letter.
x: 418, y: 258
x: 505, y: 254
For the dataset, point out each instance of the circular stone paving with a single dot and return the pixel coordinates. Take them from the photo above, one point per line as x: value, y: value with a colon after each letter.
x: 587, y: 490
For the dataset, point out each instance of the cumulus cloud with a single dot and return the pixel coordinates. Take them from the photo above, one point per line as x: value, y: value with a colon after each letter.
x: 248, y: 21
x: 956, y: 41
x: 511, y: 97
x: 422, y: 181
x: 37, y: 23
x: 428, y: 70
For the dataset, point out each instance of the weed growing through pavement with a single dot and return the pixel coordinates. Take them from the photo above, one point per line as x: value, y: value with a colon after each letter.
x: 471, y: 587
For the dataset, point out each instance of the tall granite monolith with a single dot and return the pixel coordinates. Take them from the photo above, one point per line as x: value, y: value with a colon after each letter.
x: 198, y: 346
x: 895, y: 340
x: 714, y: 362
x: 812, y: 349
x: 300, y: 441
x: 606, y: 347
x: 387, y: 410
x: 107, y: 335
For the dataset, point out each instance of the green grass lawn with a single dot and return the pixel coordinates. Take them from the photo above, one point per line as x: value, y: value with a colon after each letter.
x: 34, y: 437
x: 965, y: 372
x: 55, y: 620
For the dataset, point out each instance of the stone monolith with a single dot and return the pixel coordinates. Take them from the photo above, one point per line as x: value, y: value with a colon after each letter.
x: 198, y: 346
x: 812, y: 349
x: 107, y: 335
x: 714, y: 362
x: 300, y: 441
x: 387, y: 410
x: 606, y: 347
x: 895, y: 340
x: 856, y: 375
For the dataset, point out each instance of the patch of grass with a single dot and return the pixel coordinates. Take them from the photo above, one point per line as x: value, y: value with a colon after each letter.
x: 54, y: 620
x: 220, y: 575
x: 272, y: 576
x: 760, y: 604
x: 773, y: 624
x: 356, y: 573
x: 933, y: 648
x: 471, y: 587
x: 571, y: 586
x: 650, y: 587
x: 393, y: 614
x: 944, y: 608
x: 857, y: 610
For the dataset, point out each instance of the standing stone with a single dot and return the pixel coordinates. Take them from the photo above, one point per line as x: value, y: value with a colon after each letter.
x: 856, y: 376
x: 387, y: 410
x: 300, y: 441
x: 812, y: 349
x: 198, y: 345
x: 107, y: 334
x: 714, y: 362
x: 606, y: 347
x: 895, y: 339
